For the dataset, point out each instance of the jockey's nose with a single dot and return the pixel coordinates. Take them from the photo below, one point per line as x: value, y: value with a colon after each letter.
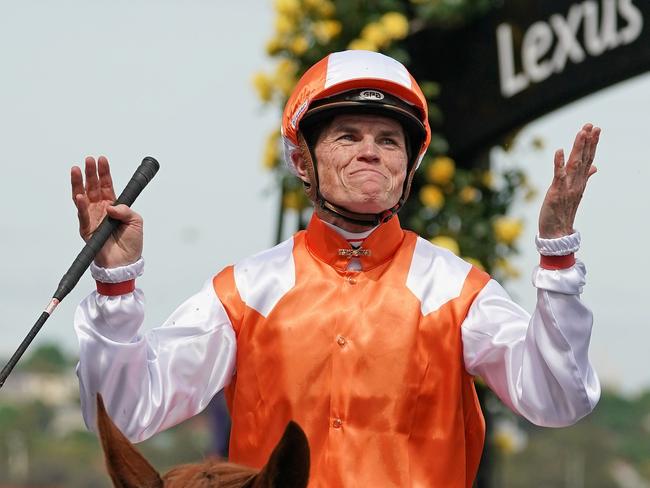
x: 368, y: 150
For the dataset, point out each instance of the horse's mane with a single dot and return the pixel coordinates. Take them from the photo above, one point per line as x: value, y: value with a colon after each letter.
x: 208, y: 473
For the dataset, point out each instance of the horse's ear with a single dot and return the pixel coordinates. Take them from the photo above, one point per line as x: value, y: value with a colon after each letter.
x: 288, y: 466
x: 126, y: 466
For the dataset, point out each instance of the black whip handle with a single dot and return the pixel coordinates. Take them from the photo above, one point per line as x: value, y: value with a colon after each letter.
x: 142, y: 176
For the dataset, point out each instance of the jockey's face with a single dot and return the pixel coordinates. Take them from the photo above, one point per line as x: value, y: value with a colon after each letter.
x: 362, y: 162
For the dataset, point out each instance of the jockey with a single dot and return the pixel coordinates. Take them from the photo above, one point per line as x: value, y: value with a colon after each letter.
x: 365, y: 334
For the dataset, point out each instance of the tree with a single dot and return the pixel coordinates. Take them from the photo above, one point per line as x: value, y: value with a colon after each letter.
x: 47, y: 358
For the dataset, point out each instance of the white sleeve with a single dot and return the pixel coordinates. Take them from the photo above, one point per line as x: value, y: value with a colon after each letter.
x: 539, y: 365
x: 152, y: 382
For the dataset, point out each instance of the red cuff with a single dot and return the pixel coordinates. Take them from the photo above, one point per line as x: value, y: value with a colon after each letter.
x: 115, y: 289
x: 557, y: 262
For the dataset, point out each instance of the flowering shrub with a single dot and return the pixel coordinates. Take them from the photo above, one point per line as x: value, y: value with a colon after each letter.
x: 455, y: 207
x: 465, y: 210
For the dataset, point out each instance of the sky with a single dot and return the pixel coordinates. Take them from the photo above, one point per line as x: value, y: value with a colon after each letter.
x: 173, y: 80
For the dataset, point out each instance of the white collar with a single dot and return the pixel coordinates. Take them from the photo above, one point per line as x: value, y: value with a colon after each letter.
x: 347, y: 235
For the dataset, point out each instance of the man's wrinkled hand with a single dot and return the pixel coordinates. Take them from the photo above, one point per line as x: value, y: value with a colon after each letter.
x: 94, y: 200
x: 563, y: 197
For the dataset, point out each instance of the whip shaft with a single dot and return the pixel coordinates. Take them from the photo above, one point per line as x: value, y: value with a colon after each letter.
x: 142, y: 176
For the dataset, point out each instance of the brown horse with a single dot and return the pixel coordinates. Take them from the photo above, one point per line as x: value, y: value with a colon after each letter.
x: 288, y: 466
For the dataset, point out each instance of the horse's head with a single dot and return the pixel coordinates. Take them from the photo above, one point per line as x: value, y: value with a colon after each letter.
x: 288, y: 466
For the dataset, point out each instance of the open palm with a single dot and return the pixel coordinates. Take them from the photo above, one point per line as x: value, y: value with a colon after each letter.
x: 563, y: 197
x: 94, y: 201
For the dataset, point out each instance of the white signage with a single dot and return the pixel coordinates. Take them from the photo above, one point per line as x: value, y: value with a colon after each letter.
x: 601, y: 32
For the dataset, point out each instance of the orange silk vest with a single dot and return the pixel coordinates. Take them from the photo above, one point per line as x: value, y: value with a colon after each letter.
x: 369, y: 362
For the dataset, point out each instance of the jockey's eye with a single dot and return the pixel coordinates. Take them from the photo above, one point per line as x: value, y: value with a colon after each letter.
x: 346, y: 137
x: 389, y: 141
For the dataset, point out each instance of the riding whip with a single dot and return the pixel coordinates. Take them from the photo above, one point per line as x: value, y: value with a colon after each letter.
x: 143, y: 175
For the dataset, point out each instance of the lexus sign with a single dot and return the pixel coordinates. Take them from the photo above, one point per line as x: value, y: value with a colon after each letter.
x: 527, y: 58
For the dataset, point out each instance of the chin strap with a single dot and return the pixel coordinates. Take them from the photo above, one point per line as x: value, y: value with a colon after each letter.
x: 354, y: 217
x: 313, y: 192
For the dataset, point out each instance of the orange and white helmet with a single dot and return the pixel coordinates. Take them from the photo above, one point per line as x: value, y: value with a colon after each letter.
x: 356, y: 82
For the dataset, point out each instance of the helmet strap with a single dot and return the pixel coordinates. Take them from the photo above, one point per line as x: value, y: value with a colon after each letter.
x: 371, y: 220
x: 311, y: 185
x: 408, y: 181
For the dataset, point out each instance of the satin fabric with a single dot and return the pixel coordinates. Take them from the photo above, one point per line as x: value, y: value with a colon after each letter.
x: 541, y: 370
x: 152, y: 381
x: 537, y: 365
x: 380, y: 389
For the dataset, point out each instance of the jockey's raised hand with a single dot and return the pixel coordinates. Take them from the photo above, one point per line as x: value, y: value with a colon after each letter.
x: 93, y: 201
x: 563, y: 197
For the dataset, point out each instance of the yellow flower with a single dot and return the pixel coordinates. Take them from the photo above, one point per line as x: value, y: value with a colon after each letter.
x: 285, y: 25
x: 362, y: 44
x: 469, y: 194
x: 376, y: 33
x: 323, y: 8
x: 432, y: 197
x: 326, y: 9
x: 286, y: 67
x: 285, y: 85
x: 507, y: 229
x: 441, y: 170
x: 294, y: 200
x: 271, y: 150
x: 487, y: 178
x: 326, y: 30
x: 446, y: 242
x: 299, y: 45
x: 285, y: 76
x: 395, y: 24
x: 274, y: 46
x: 290, y: 8
x: 263, y: 85
x: 474, y: 262
x: 507, y: 269
x: 504, y: 442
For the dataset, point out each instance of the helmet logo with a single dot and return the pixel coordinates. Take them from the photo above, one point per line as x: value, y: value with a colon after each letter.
x: 298, y: 113
x: 372, y: 95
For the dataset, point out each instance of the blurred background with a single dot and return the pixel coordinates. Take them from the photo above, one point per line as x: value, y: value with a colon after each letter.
x: 200, y: 86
